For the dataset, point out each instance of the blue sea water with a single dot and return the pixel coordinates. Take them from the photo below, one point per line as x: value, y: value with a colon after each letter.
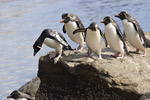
x: 22, y: 21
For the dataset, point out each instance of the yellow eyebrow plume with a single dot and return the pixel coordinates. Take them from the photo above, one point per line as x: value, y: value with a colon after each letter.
x: 39, y: 47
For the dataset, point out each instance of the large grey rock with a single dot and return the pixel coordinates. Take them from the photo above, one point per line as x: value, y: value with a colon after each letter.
x: 77, y: 76
x: 31, y: 87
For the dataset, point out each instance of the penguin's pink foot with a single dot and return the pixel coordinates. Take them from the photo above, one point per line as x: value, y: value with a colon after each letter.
x: 120, y: 57
x: 136, y: 52
x: 57, y: 58
x: 116, y: 55
x: 144, y: 54
x: 80, y: 48
x: 52, y: 55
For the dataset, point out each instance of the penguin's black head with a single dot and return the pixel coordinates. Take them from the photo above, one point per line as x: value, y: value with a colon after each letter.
x: 107, y: 20
x: 122, y: 15
x: 93, y: 26
x: 36, y: 47
x: 66, y: 17
x: 15, y: 95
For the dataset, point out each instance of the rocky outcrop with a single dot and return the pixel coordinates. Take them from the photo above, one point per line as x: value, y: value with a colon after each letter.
x: 77, y: 76
x: 31, y: 87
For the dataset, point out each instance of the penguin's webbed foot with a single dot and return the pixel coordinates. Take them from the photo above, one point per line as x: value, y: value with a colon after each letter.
x: 80, y: 48
x: 136, y: 52
x: 57, y: 58
x: 52, y: 55
x: 144, y: 54
x: 116, y: 55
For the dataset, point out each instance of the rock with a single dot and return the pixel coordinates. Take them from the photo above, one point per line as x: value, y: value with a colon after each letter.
x: 31, y: 87
x: 77, y: 76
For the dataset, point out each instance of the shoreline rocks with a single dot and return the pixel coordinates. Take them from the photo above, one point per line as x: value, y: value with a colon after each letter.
x: 77, y: 76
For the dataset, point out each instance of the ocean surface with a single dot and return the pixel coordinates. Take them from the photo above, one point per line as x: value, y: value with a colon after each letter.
x: 22, y: 21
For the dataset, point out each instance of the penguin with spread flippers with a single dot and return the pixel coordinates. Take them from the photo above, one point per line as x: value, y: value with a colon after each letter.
x: 71, y: 23
x: 92, y: 38
x: 134, y: 32
x: 114, y: 37
x: 54, y: 40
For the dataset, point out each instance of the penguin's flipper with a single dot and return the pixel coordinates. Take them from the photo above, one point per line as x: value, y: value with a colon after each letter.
x: 138, y: 29
x: 106, y: 41
x: 68, y: 47
x: 58, y: 37
x: 122, y: 39
x: 79, y: 24
x: 124, y: 35
x: 64, y: 30
x: 120, y: 36
x: 79, y: 30
x: 104, y: 38
x: 118, y: 31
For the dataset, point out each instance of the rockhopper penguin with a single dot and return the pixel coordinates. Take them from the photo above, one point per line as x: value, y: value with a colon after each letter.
x: 17, y: 95
x: 92, y: 38
x: 114, y: 37
x: 134, y: 32
x: 54, y: 40
x: 71, y: 23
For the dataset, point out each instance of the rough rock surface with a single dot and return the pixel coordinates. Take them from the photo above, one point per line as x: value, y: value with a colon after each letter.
x: 78, y: 76
x: 31, y: 87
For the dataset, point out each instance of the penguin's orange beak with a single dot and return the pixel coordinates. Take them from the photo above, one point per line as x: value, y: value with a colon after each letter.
x: 61, y: 21
x: 116, y: 15
x: 9, y: 96
x: 102, y: 21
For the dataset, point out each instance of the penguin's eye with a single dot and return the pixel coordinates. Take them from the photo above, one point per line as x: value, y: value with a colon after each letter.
x: 65, y: 17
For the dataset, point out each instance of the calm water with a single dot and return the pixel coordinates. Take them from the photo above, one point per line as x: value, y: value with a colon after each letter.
x: 22, y: 21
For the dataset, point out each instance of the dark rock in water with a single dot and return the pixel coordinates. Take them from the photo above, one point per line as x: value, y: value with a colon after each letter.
x: 79, y: 77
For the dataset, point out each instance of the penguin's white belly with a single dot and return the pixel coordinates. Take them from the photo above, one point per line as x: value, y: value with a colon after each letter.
x: 132, y: 35
x: 70, y: 28
x: 113, y: 39
x: 53, y: 44
x: 93, y: 40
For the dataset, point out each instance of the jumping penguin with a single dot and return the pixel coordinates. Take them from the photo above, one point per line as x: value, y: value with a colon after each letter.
x: 114, y: 37
x: 92, y: 38
x: 71, y: 23
x: 54, y: 40
x: 134, y: 32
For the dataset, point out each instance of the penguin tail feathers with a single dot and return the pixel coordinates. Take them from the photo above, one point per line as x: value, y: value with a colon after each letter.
x: 147, y: 45
x: 127, y: 52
